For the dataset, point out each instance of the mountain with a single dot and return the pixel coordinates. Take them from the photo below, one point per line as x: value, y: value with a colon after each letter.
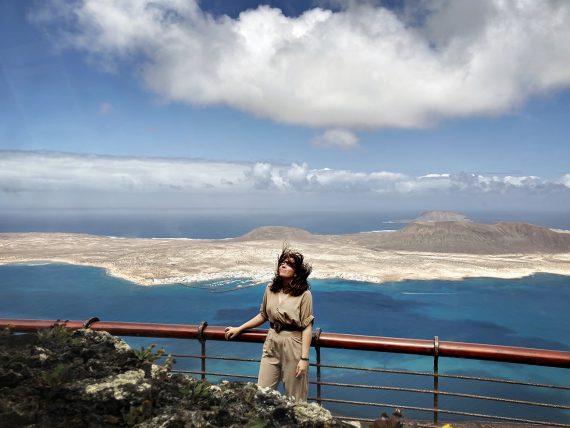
x: 435, y: 231
x: 439, y: 216
x: 278, y: 233
x: 467, y: 237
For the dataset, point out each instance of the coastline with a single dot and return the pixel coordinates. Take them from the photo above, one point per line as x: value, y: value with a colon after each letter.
x: 163, y: 261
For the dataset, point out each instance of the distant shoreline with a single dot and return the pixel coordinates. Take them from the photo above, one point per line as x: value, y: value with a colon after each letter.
x: 263, y: 279
x: 221, y: 224
x: 164, y: 261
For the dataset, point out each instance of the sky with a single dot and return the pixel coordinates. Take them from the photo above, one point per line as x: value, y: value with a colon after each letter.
x: 285, y: 105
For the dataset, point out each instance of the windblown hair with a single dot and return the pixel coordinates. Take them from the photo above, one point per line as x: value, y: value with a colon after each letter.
x: 299, y: 283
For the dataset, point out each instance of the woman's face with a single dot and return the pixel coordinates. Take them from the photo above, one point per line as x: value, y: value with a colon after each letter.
x: 286, y: 268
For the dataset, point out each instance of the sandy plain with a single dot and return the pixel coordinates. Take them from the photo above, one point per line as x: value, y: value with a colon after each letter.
x: 167, y: 261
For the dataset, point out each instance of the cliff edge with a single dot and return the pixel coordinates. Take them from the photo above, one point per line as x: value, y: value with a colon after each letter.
x: 84, y: 378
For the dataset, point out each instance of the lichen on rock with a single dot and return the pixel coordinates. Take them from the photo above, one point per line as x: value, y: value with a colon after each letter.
x: 121, y: 387
x: 308, y: 412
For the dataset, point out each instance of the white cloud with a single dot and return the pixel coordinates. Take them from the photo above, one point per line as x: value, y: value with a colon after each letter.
x: 24, y: 172
x: 260, y: 174
x: 296, y: 177
x: 434, y: 175
x: 339, y: 138
x: 477, y: 183
x: 426, y: 183
x: 29, y: 171
x: 531, y: 180
x: 361, y: 67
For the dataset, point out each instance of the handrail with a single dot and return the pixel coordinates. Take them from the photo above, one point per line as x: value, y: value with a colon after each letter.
x: 434, y: 348
x: 510, y: 354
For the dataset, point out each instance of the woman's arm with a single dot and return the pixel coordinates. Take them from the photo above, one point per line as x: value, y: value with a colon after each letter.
x: 306, y: 338
x: 256, y: 321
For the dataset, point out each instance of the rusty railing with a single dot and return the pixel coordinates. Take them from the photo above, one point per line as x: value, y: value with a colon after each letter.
x: 435, y: 349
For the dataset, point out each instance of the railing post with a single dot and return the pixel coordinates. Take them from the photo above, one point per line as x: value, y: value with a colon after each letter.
x: 435, y: 379
x: 202, y: 340
x: 318, y: 353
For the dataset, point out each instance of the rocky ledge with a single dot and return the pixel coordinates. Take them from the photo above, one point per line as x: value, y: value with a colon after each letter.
x: 84, y: 378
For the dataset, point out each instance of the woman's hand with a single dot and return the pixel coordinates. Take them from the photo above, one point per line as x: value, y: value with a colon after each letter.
x: 232, y: 332
x: 302, y: 368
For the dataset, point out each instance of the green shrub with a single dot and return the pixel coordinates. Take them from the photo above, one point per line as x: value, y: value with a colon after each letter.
x: 196, y: 390
x: 58, y: 334
x: 148, y: 354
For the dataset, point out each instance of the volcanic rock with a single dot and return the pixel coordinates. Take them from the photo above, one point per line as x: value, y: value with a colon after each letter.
x: 84, y: 378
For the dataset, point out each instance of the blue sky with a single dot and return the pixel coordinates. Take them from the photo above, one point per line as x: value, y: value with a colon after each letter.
x: 425, y: 104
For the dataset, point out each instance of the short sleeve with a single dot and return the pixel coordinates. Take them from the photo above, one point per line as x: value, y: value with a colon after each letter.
x: 263, y: 307
x: 306, y: 309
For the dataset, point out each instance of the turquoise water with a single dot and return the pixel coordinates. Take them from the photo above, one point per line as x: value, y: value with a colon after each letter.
x: 530, y: 312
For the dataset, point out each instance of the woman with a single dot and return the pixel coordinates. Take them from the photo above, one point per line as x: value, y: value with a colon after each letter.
x: 288, y: 306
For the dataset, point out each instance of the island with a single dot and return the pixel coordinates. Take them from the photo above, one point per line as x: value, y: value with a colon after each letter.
x: 435, y: 246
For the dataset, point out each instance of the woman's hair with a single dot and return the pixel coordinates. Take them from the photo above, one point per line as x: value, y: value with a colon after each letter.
x: 299, y: 283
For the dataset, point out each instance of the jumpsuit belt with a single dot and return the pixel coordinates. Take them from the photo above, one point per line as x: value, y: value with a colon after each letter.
x: 277, y: 326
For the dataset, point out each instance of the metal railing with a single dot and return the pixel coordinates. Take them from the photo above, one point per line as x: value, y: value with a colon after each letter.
x: 435, y: 349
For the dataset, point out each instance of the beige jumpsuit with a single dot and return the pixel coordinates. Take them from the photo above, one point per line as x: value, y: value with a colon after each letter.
x: 282, y: 351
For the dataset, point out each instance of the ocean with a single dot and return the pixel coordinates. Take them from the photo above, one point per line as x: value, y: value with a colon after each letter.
x: 222, y: 224
x: 529, y: 312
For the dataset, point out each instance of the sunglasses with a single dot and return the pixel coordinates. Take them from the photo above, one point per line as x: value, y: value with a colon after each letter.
x: 288, y: 263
